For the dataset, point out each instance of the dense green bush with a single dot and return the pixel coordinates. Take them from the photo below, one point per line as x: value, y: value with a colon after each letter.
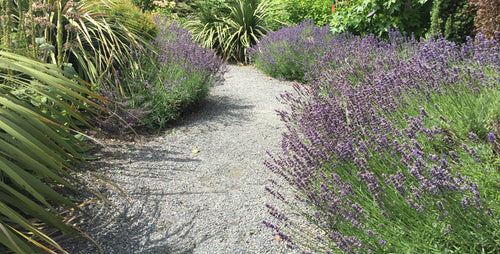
x: 319, y: 11
x: 145, y: 5
x: 411, y: 16
x: 453, y: 19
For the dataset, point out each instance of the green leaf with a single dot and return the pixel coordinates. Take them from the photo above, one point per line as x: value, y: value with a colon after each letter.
x: 37, y: 151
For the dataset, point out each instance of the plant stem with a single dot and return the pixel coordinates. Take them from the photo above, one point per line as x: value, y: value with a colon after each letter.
x: 6, y: 28
x: 59, y: 37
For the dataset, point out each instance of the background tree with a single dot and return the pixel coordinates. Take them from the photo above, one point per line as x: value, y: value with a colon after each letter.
x: 411, y: 16
x: 454, y: 19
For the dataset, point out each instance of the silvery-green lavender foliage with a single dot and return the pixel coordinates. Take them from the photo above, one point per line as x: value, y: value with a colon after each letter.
x: 385, y: 148
x: 175, y: 75
x: 291, y: 52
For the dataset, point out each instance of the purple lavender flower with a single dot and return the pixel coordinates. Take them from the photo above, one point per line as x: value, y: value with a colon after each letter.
x: 491, y: 137
x: 351, y: 126
x: 173, y: 62
x: 473, y: 137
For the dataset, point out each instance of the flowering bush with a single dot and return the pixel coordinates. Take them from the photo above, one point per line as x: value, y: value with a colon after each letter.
x: 164, y: 81
x: 394, y: 149
x: 291, y: 52
x: 304, y: 51
x: 164, y: 8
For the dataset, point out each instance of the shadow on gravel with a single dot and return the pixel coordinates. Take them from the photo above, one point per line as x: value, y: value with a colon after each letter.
x: 219, y: 110
x: 140, y: 228
x: 121, y: 157
x: 168, y: 239
x: 164, y: 194
x: 131, y: 153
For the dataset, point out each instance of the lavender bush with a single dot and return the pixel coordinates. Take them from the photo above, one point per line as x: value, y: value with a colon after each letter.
x: 169, y: 78
x: 302, y: 52
x: 393, y: 149
x: 290, y: 52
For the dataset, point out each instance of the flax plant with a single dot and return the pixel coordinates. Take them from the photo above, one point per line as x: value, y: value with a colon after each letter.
x: 89, y: 38
x: 39, y: 152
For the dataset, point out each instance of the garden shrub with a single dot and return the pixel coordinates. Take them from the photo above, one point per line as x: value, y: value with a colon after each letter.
x: 304, y: 51
x: 163, y: 82
x: 291, y: 52
x: 236, y: 26
x: 395, y: 153
x: 319, y: 11
x: 145, y: 5
x: 179, y: 10
x: 124, y: 12
x: 453, y: 19
x: 412, y: 16
x: 487, y: 20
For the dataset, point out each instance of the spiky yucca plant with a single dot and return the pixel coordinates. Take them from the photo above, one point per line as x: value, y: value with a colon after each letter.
x: 232, y: 31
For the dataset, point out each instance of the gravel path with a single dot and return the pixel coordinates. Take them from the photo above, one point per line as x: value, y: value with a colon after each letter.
x: 199, y: 186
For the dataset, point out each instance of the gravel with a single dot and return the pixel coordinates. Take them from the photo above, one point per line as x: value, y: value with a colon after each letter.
x: 197, y: 187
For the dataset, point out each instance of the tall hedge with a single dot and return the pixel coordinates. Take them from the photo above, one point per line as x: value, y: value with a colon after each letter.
x: 454, y: 19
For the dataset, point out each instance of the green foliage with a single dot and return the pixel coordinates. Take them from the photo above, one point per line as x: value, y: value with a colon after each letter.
x: 145, y: 5
x: 167, y: 80
x: 453, y: 19
x: 38, y: 111
x: 291, y: 52
x: 104, y: 38
x: 470, y: 110
x: 209, y: 28
x: 132, y: 18
x: 167, y: 103
x: 178, y: 10
x: 319, y: 11
x: 89, y: 38
x: 232, y: 28
x: 165, y: 9
x: 411, y: 16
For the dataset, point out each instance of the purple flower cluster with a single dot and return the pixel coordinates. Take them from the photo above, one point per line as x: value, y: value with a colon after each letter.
x: 291, y: 52
x: 176, y: 45
x: 165, y: 78
x: 363, y: 150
